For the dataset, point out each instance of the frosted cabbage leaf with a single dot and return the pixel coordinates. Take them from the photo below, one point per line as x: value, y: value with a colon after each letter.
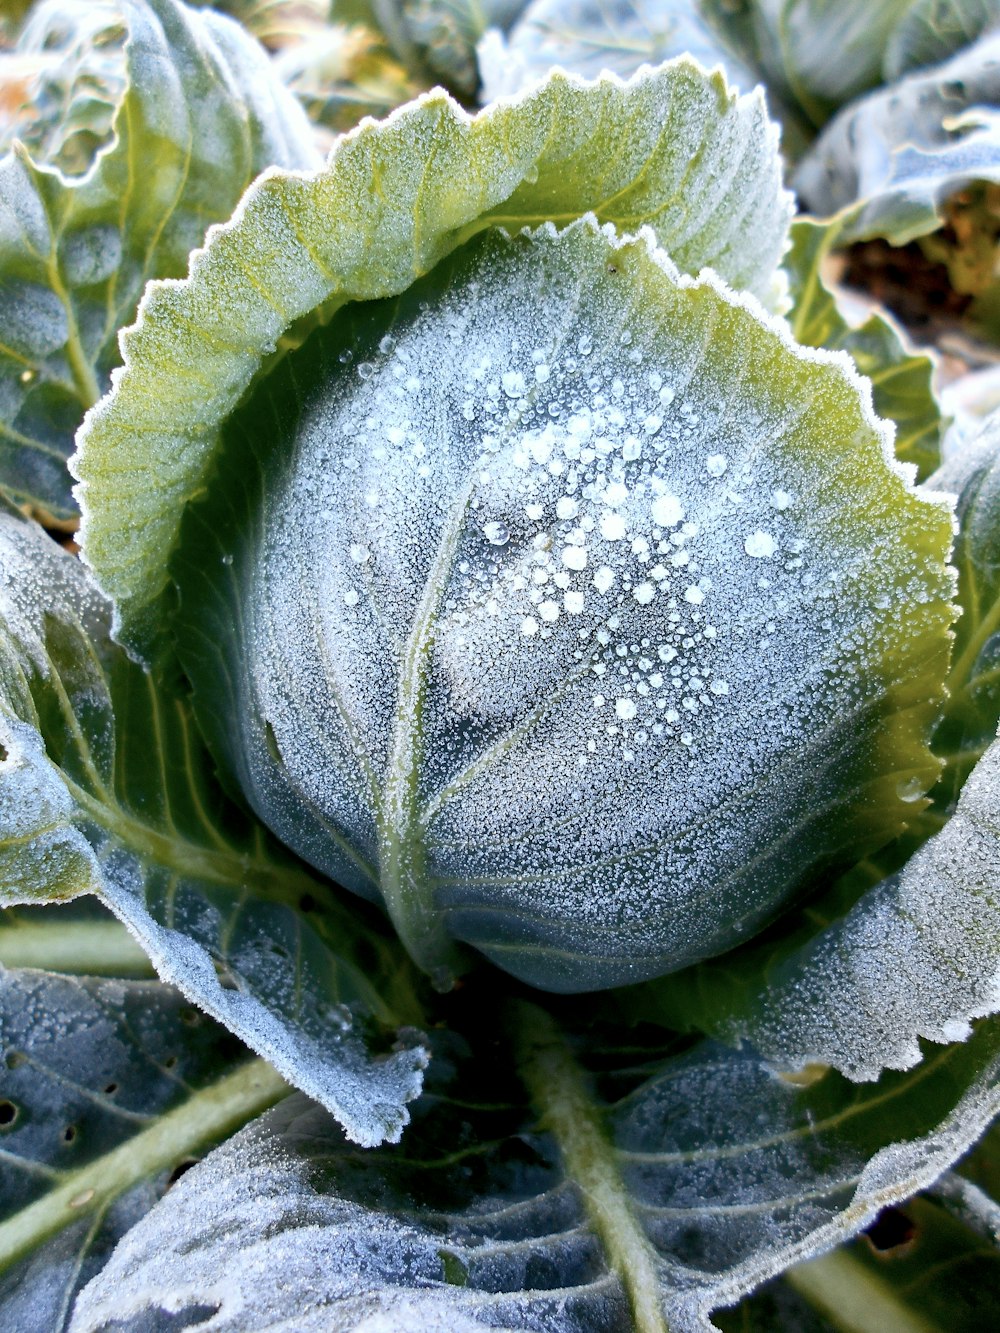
x: 580, y: 639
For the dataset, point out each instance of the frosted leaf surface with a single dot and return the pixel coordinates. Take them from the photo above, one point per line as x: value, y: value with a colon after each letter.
x: 202, y: 115
x: 105, y: 788
x: 693, y: 161
x: 614, y: 743
x: 84, y: 1066
x: 894, y: 158
x: 725, y: 1174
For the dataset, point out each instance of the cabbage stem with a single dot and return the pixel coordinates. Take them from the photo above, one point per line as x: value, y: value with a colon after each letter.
x: 559, y: 1090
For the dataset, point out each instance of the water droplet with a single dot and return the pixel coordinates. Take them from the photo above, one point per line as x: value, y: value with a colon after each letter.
x: 604, y: 578
x: 350, y: 597
x: 781, y: 499
x: 529, y: 626
x: 574, y: 557
x: 360, y: 554
x: 910, y: 790
x: 644, y: 593
x: 667, y: 511
x: 566, y: 507
x: 694, y: 595
x: 497, y: 534
x: 365, y: 370
x: 625, y: 709
x: 612, y: 527
x: 716, y: 464
x: 573, y: 602
x: 760, y: 545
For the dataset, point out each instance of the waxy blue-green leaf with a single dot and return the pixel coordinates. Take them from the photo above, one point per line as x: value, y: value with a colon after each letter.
x: 822, y: 53
x: 203, y: 114
x: 105, y: 788
x: 567, y: 634
x: 106, y: 1088
x: 587, y: 36
x: 639, y: 1199
x: 900, y: 377
x: 890, y: 161
x: 692, y: 161
x: 932, y: 30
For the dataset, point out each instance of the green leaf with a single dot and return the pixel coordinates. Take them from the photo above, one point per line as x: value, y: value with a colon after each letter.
x: 106, y: 1088
x: 633, y: 1191
x: 566, y: 636
x: 695, y: 163
x: 900, y: 378
x: 201, y: 117
x: 889, y: 162
x: 105, y: 788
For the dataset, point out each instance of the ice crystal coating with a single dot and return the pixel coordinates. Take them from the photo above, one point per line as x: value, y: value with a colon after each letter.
x: 615, y: 741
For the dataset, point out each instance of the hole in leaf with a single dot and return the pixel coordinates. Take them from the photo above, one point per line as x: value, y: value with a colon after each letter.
x: 8, y: 1114
x: 279, y: 951
x: 14, y: 1059
x: 271, y: 741
x: 69, y: 1133
x: 307, y: 903
x: 227, y: 979
x: 890, y: 1231
x: 455, y: 1272
x: 180, y: 1169
x: 110, y: 1089
x: 191, y: 1017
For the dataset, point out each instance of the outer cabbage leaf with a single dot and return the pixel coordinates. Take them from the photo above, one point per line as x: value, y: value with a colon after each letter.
x: 587, y: 36
x: 697, y: 164
x: 203, y: 114
x: 891, y: 160
x: 825, y: 53
x: 69, y: 68
x: 105, y: 788
x: 567, y: 638
x: 916, y: 957
x: 441, y: 35
x: 656, y: 1192
x: 106, y: 1088
x: 900, y: 378
x: 972, y: 711
x: 932, y: 30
